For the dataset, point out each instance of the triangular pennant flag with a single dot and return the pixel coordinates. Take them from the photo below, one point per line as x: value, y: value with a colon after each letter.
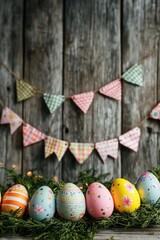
x: 53, y: 101
x: 81, y: 151
x: 134, y: 75
x: 131, y: 139
x: 31, y: 135
x: 107, y: 148
x: 113, y: 89
x: 83, y: 100
x: 8, y: 116
x: 24, y: 90
x: 155, y: 113
x: 53, y: 145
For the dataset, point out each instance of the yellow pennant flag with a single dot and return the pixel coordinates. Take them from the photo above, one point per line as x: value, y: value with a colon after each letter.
x: 24, y: 90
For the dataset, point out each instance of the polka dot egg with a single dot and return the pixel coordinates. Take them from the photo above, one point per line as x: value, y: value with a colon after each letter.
x: 125, y: 196
x: 71, y: 202
x: 99, y: 201
x: 42, y: 204
x: 15, y: 198
x: 148, y: 188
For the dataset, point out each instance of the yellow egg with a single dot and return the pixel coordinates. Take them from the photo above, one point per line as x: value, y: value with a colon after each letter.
x: 125, y: 196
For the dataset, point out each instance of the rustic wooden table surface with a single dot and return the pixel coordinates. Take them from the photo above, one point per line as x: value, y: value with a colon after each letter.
x: 152, y: 233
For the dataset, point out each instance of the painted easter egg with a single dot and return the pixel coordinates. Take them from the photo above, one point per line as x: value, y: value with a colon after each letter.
x: 99, y: 201
x: 15, y: 198
x: 125, y: 196
x: 42, y: 204
x: 148, y: 188
x: 71, y: 202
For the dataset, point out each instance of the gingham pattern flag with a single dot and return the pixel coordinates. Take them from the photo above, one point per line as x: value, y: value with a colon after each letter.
x: 81, y: 151
x: 24, y: 90
x: 8, y: 116
x: 131, y: 139
x: 107, y: 148
x: 31, y: 135
x: 53, y: 145
x: 83, y: 100
x: 113, y: 89
x: 155, y: 113
x: 134, y: 75
x: 53, y: 101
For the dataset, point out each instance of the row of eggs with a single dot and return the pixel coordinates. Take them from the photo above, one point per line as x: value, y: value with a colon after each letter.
x: 71, y: 203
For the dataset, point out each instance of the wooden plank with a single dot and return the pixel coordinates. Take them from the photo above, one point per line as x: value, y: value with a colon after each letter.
x: 92, y: 59
x: 43, y: 68
x: 140, y: 39
x: 11, y: 53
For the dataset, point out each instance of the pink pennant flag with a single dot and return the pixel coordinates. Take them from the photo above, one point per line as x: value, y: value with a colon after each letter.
x: 83, y: 100
x: 131, y: 139
x: 113, y: 89
x: 8, y: 116
x: 155, y: 113
x: 81, y: 151
x: 107, y: 148
x: 31, y: 135
x: 53, y: 145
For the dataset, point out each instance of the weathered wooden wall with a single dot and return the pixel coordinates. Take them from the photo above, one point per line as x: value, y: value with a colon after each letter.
x: 73, y: 46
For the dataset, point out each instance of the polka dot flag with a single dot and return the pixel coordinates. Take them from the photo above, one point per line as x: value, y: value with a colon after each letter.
x: 155, y: 113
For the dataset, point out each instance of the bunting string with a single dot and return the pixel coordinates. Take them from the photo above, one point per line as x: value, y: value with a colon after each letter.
x: 83, y: 100
x: 80, y: 151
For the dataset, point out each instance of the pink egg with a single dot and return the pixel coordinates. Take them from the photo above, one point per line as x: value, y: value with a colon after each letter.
x: 99, y: 201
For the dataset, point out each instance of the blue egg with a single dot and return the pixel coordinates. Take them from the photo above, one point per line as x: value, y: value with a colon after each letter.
x: 42, y: 204
x: 148, y: 188
x: 71, y: 203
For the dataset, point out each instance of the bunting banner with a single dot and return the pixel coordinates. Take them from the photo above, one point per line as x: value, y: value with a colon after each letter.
x: 9, y: 117
x: 131, y: 139
x: 155, y: 113
x: 134, y: 75
x: 83, y: 100
x: 53, y: 101
x: 81, y: 151
x: 113, y: 90
x: 53, y: 145
x: 107, y: 148
x: 31, y: 135
x: 24, y: 90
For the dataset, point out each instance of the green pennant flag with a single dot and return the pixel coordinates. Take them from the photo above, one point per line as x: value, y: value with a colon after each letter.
x: 24, y: 90
x: 53, y: 101
x: 134, y: 75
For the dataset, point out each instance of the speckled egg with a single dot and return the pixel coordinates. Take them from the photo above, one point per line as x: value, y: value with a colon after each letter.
x: 99, y: 201
x: 42, y: 204
x: 148, y: 188
x: 15, y: 198
x: 125, y: 196
x: 71, y: 202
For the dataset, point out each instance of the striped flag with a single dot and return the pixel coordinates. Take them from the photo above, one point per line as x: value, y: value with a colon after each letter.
x: 131, y: 139
x: 31, y: 135
x: 155, y: 113
x: 113, y: 89
x: 81, y: 151
x: 83, y: 100
x: 8, y: 116
x: 107, y: 148
x: 53, y: 145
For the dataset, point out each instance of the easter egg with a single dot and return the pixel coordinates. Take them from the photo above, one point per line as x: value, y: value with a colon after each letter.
x: 125, y: 196
x: 42, y: 204
x: 99, y: 201
x: 16, y: 197
x: 148, y: 188
x: 71, y: 202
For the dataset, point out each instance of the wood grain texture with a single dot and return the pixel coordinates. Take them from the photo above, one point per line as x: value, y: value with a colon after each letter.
x: 140, y: 39
x: 11, y: 53
x: 91, y: 60
x: 43, y: 68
